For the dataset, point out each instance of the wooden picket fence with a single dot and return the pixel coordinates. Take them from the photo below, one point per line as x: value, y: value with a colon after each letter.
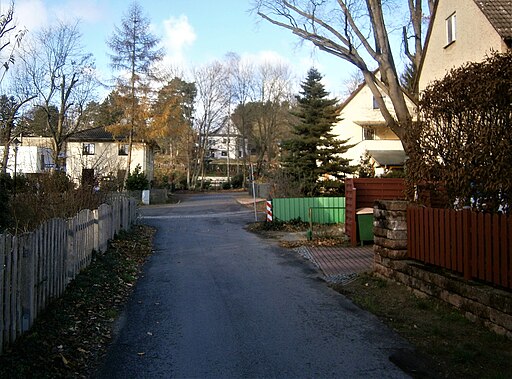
x: 36, y: 267
x: 475, y: 244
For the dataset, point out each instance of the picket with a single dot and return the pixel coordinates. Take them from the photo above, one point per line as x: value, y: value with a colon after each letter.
x: 36, y: 267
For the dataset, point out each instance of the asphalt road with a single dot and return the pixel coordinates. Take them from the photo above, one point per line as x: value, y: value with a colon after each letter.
x: 217, y: 301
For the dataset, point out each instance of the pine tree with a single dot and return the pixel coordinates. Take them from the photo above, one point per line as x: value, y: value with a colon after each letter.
x: 313, y: 151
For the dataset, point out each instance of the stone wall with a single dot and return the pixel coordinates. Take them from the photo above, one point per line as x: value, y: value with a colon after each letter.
x: 479, y: 302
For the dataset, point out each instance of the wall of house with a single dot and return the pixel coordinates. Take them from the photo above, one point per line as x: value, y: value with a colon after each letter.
x: 219, y: 143
x: 106, y: 159
x: 28, y: 159
x: 359, y: 111
x: 475, y: 37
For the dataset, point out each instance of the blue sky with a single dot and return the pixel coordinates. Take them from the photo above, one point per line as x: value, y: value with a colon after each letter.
x: 194, y: 32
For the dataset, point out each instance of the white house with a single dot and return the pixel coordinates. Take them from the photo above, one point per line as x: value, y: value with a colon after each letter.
x: 28, y: 159
x: 463, y: 31
x: 362, y: 124
x: 94, y: 154
x: 225, y: 141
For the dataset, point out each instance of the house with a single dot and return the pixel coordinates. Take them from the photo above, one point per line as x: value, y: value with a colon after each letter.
x: 463, y: 31
x: 94, y: 154
x: 28, y: 159
x: 362, y: 124
x: 225, y: 141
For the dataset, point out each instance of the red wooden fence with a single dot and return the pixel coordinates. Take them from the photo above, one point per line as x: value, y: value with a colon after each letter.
x: 362, y: 193
x: 474, y: 244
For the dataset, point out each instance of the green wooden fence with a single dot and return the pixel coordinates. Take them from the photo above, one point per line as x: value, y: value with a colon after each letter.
x: 324, y: 210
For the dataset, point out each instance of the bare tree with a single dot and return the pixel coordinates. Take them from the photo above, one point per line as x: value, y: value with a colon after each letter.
x: 242, y: 90
x: 62, y: 76
x: 355, y: 31
x: 134, y: 53
x: 10, y: 39
x: 11, y: 104
x: 352, y: 82
x: 211, y: 108
x: 274, y: 95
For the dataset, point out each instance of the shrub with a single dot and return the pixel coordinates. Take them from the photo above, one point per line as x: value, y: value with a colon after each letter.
x: 137, y: 181
x: 237, y: 181
x: 44, y: 196
x: 6, y: 186
x: 463, y: 146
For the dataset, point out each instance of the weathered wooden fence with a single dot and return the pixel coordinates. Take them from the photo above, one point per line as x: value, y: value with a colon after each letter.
x: 36, y: 267
x: 474, y: 244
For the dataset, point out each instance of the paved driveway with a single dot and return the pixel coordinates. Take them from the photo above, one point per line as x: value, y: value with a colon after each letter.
x: 216, y: 301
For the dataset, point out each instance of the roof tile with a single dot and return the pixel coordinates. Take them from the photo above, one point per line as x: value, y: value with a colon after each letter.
x: 499, y: 14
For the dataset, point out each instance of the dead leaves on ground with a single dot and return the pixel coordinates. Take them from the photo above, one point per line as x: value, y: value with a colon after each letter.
x: 72, y: 335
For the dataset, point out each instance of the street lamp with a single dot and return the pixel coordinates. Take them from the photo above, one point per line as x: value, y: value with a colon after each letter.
x: 16, y: 143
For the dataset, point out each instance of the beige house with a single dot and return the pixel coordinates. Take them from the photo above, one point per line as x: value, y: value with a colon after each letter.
x: 362, y: 124
x: 463, y: 31
x: 95, y: 155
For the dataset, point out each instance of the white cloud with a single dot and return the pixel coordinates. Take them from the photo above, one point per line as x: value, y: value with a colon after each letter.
x: 36, y: 14
x: 178, y: 35
x: 85, y: 11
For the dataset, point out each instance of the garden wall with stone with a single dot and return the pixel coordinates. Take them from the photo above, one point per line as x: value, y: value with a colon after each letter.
x: 479, y: 302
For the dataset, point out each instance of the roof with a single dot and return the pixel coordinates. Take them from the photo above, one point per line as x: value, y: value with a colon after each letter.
x: 388, y: 157
x: 499, y: 14
x: 94, y: 134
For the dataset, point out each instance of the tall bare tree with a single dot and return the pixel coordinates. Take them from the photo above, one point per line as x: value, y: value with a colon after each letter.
x: 274, y: 94
x: 211, y: 108
x: 356, y: 31
x: 134, y: 52
x: 62, y: 76
x: 242, y: 90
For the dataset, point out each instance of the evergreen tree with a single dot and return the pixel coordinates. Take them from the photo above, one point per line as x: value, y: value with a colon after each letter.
x: 313, y: 151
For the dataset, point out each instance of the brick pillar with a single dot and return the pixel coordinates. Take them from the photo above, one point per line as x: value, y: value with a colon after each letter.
x: 390, y: 235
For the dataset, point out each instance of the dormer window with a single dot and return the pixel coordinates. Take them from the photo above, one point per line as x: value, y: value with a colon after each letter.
x: 451, y: 34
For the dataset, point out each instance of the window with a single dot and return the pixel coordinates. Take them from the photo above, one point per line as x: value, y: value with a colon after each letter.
x: 451, y: 34
x: 88, y: 149
x: 224, y: 153
x: 375, y: 104
x: 368, y: 133
x: 123, y: 149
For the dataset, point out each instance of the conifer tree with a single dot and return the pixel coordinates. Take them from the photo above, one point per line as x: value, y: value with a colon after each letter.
x: 313, y: 151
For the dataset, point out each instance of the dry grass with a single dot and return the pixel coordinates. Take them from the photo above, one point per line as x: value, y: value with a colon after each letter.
x: 459, y: 348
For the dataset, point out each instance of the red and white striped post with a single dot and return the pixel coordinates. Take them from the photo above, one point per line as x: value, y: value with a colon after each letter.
x: 269, y: 210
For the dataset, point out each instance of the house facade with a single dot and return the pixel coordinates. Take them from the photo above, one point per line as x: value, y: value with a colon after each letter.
x: 362, y: 124
x: 463, y: 31
x: 95, y: 155
x: 225, y: 142
x: 28, y: 159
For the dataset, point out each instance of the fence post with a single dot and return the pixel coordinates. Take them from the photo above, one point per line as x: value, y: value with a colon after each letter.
x: 3, y: 238
x: 26, y: 246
